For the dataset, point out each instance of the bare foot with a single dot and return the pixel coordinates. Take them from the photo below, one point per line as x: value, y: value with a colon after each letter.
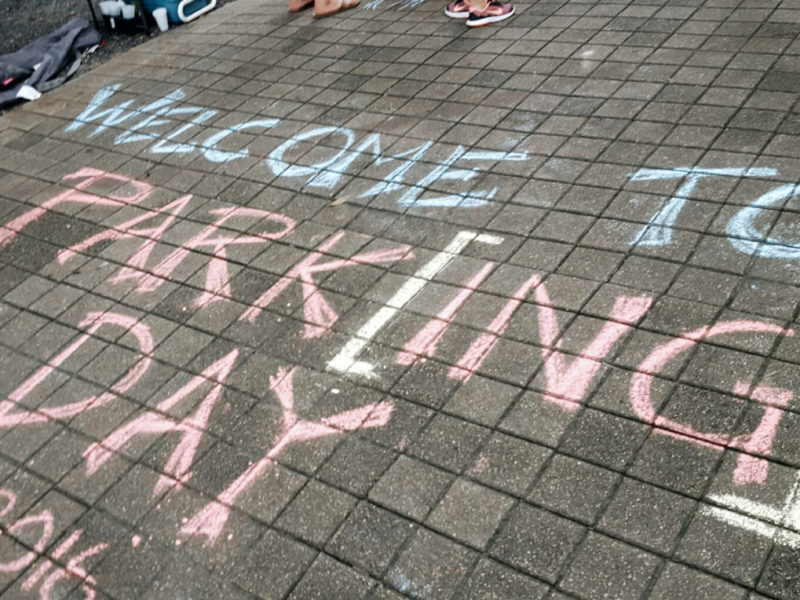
x: 298, y: 5
x: 324, y: 8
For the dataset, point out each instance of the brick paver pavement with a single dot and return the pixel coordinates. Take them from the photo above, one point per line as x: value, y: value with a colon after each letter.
x: 378, y: 306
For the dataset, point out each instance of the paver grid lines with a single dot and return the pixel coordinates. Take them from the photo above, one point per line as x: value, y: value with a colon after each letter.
x: 558, y: 257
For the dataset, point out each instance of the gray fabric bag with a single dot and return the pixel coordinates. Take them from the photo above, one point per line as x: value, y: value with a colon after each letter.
x: 52, y: 53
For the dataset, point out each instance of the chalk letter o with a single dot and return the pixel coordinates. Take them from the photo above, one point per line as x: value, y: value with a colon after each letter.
x: 279, y: 167
x: 746, y: 238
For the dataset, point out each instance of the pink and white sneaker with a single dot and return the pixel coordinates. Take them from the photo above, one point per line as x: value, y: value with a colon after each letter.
x: 494, y: 11
x: 457, y: 10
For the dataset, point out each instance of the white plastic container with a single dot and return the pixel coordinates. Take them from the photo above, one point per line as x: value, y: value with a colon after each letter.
x: 160, y: 15
x: 110, y: 8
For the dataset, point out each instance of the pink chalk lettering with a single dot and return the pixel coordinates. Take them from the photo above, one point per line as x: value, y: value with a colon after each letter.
x: 11, y: 415
x: 217, y: 284
x: 45, y: 521
x: 319, y: 315
x: 74, y: 567
x: 210, y: 521
x: 566, y: 386
x: 11, y: 502
x: 151, y: 235
x: 479, y: 349
x: 191, y: 428
x: 90, y: 176
x: 40, y: 572
x: 424, y: 343
x: 750, y: 469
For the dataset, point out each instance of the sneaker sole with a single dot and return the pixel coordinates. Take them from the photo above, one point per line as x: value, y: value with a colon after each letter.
x: 457, y: 15
x: 490, y: 19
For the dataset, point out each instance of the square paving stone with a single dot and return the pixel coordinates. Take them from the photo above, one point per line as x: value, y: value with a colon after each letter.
x: 508, y: 463
x: 560, y: 596
x: 676, y: 464
x: 130, y: 569
x: 6, y: 469
x: 676, y: 580
x: 356, y: 465
x: 411, y: 487
x: 132, y: 496
x: 328, y: 578
x: 720, y: 368
x: 670, y: 315
x: 370, y: 537
x: 574, y: 488
x: 536, y: 541
x: 493, y: 581
x: 426, y: 384
x: 535, y: 419
x: 259, y: 572
x: 448, y: 442
x: 511, y: 362
x: 29, y: 292
x: 607, y: 568
x: 267, y: 497
x: 431, y: 567
x: 24, y: 325
x: 646, y: 273
x: 316, y: 513
x: 382, y: 592
x: 48, y: 340
x: 604, y: 438
x: 16, y: 369
x: 403, y: 428
x: 725, y: 550
x: 767, y: 298
x: 773, y: 492
x: 541, y: 254
x: 470, y: 512
x: 90, y: 489
x: 780, y: 577
x: 211, y: 473
x: 703, y: 285
x: 49, y: 392
x: 28, y: 488
x: 646, y: 515
x: 482, y: 400
x: 11, y: 550
x: 591, y: 263
x: 185, y: 579
x: 703, y: 410
x: 60, y: 455
x: 239, y: 535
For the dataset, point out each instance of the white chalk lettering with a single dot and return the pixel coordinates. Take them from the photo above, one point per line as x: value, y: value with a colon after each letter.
x: 280, y: 167
x: 156, y: 118
x: 658, y: 232
x: 213, y: 154
x: 745, y: 236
